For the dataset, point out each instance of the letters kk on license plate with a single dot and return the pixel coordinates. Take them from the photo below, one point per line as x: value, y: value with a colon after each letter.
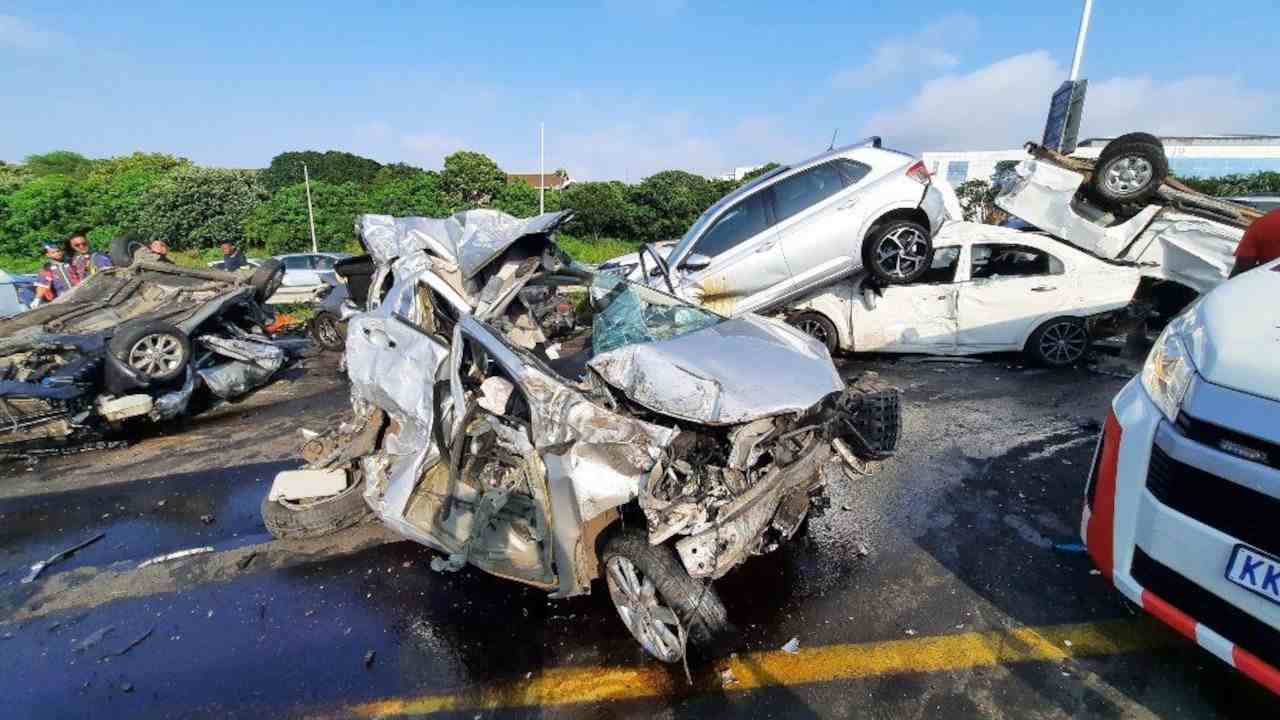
x: 1256, y: 571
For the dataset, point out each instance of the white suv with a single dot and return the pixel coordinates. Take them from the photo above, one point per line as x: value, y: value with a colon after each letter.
x: 799, y: 228
x: 1183, y: 503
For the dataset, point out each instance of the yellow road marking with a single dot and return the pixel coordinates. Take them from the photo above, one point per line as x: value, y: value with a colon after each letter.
x: 576, y: 685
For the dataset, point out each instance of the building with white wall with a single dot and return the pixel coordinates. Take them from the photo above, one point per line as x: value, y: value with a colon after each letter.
x: 1189, y: 156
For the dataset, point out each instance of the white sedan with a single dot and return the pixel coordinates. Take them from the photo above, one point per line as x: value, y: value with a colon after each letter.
x: 988, y: 289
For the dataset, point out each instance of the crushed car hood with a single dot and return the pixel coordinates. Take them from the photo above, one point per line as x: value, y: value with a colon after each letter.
x: 469, y: 239
x: 732, y: 372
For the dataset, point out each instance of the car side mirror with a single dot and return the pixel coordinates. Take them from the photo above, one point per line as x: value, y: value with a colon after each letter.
x: 696, y: 262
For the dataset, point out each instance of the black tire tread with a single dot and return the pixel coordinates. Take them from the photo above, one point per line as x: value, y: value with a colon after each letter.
x: 129, y: 333
x: 697, y: 604
x: 263, y: 279
x: 1123, y: 145
x: 324, y: 517
x: 1032, y: 348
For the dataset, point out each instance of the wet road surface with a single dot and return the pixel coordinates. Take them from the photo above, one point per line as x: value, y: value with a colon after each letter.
x: 932, y: 589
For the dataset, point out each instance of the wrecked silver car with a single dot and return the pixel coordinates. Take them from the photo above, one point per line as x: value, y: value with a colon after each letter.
x: 518, y: 412
x: 136, y: 341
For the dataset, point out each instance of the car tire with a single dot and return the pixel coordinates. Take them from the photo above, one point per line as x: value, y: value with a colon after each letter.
x: 328, y: 331
x: 1129, y: 170
x: 817, y: 326
x: 156, y: 350
x: 1059, y: 343
x: 123, y: 249
x: 266, y: 279
x: 697, y: 606
x: 286, y: 520
x: 890, y: 244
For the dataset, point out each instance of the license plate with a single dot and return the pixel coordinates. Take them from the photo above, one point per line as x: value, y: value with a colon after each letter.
x: 1255, y: 571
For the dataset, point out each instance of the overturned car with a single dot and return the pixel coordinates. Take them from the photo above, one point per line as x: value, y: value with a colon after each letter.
x: 518, y: 412
x: 133, y: 341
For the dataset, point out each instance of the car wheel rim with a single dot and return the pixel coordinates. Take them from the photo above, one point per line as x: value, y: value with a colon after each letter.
x: 1064, y: 343
x: 901, y: 252
x: 814, y: 329
x: 1128, y: 175
x: 328, y: 331
x: 653, y: 624
x: 156, y: 355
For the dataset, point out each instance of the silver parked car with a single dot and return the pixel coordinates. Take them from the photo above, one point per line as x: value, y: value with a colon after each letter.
x: 645, y: 441
x: 798, y: 228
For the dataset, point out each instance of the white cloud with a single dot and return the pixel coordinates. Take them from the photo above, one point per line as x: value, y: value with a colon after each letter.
x: 1004, y: 104
x: 429, y: 148
x: 922, y: 51
x: 18, y: 34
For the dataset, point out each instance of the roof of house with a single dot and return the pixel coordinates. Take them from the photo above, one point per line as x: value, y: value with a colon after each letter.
x: 553, y: 181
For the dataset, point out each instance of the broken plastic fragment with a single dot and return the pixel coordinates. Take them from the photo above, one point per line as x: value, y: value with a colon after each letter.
x: 453, y: 564
x: 792, y: 647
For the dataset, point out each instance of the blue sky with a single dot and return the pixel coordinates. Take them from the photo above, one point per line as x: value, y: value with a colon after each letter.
x: 625, y: 88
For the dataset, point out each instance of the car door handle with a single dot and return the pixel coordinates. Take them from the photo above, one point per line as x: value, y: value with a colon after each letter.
x: 1043, y: 288
x: 379, y: 338
x: 847, y: 204
x: 765, y: 247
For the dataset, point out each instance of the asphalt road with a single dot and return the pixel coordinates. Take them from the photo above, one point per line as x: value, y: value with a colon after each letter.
x: 933, y: 589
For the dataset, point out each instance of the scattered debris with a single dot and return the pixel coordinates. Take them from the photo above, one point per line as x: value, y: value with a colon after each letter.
x: 207, y: 519
x: 94, y: 638
x: 368, y: 658
x: 175, y: 555
x: 126, y: 687
x: 949, y: 360
x: 135, y: 643
x: 910, y: 632
x: 792, y: 647
x: 161, y: 503
x: 727, y: 678
x: 40, y: 566
x: 1069, y: 547
x: 247, y: 560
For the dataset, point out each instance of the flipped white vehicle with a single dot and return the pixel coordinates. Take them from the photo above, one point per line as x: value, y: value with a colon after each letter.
x: 987, y: 289
x: 1124, y: 206
x: 1181, y: 504
x: 799, y: 228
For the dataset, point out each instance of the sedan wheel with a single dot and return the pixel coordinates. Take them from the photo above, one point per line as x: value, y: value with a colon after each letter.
x: 157, y: 355
x: 1059, y: 343
x: 655, y: 625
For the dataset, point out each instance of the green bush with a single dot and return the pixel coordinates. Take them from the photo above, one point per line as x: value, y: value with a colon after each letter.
x: 594, y: 251
x: 59, y: 162
x: 43, y: 210
x: 280, y: 224
x: 419, y: 194
x: 333, y: 167
x: 199, y: 207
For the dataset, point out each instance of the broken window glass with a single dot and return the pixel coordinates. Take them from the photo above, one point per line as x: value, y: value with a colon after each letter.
x: 627, y: 314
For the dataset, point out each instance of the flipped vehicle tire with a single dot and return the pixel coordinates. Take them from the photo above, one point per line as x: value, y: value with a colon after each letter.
x: 898, y: 252
x: 1130, y: 169
x: 266, y: 279
x: 122, y: 250
x: 655, y: 596
x: 315, y: 518
x: 328, y: 331
x: 817, y: 326
x: 156, y: 350
x: 1059, y: 343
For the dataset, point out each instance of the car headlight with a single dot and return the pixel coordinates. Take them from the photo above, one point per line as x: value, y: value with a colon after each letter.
x: 1167, y: 373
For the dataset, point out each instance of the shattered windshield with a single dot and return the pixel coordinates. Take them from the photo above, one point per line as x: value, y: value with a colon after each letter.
x: 628, y: 313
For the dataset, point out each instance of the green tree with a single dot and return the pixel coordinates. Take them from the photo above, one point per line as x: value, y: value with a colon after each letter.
x: 280, y: 224
x: 667, y: 203
x: 43, y: 210
x: 1233, y: 185
x: 414, y: 195
x: 118, y: 187
x: 977, y: 199
x: 199, y: 207
x: 334, y: 167
x: 59, y: 162
x: 13, y: 177
x: 395, y: 172
x: 599, y: 209
x: 762, y: 170
x: 519, y: 198
x: 471, y: 178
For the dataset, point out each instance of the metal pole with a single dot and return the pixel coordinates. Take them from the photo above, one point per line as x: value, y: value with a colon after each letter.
x: 311, y: 216
x: 542, y: 173
x: 1080, y: 36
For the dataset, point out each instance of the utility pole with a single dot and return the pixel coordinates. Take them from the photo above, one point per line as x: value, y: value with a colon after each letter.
x: 311, y: 216
x: 542, y: 171
x: 1080, y: 36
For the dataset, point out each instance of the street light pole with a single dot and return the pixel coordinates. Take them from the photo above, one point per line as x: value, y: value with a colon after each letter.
x: 311, y: 216
x: 542, y: 171
x: 1080, y: 36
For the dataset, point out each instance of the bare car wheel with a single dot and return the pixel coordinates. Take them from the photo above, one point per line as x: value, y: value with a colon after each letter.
x: 1061, y: 342
x: 328, y: 331
x: 157, y: 351
x: 898, y: 252
x: 316, y: 517
x: 657, y: 600
x: 1130, y: 169
x: 819, y: 328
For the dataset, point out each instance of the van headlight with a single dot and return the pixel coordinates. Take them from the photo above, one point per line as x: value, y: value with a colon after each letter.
x: 1167, y: 373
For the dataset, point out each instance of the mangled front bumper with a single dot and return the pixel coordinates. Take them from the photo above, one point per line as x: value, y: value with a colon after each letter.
x: 840, y: 434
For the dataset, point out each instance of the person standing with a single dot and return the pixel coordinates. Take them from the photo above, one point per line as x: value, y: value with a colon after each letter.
x: 85, y: 261
x: 1260, y: 244
x: 232, y: 257
x: 57, y: 276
